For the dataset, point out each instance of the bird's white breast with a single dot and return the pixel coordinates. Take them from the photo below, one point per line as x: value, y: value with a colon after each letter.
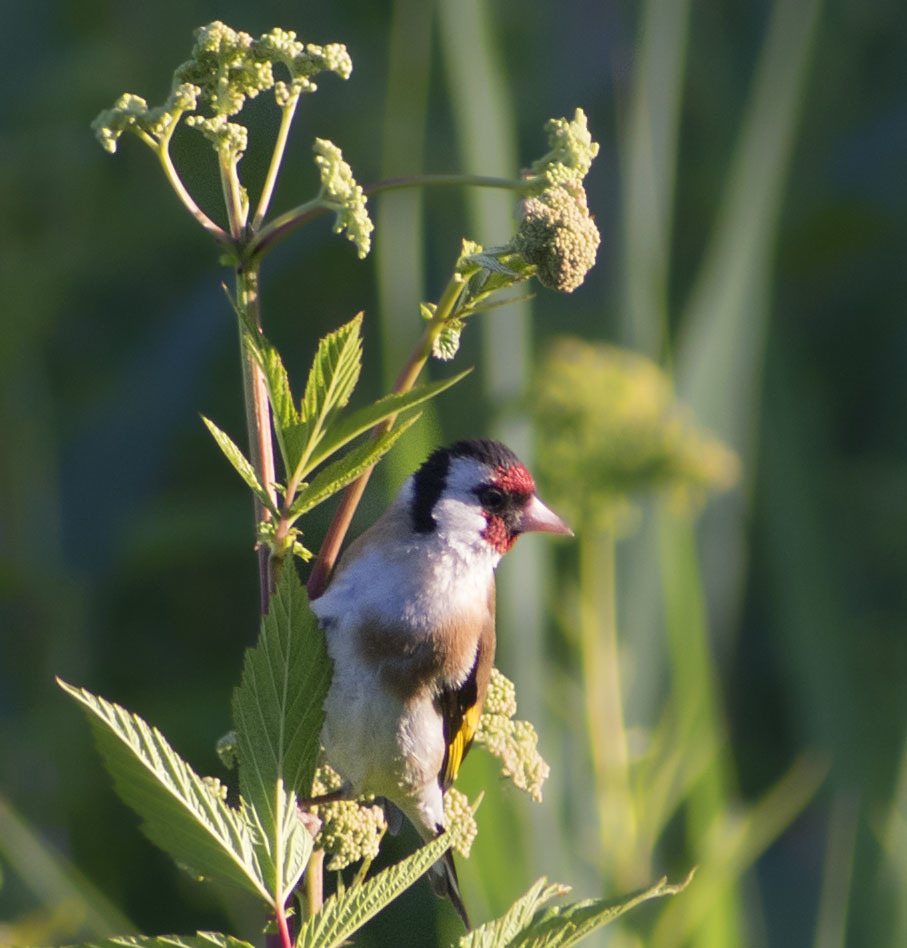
x: 416, y: 585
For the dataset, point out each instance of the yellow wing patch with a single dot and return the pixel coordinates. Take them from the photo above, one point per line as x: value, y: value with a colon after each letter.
x: 459, y: 745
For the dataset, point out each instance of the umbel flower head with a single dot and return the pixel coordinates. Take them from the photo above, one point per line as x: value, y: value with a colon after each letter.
x: 558, y: 236
x: 610, y: 427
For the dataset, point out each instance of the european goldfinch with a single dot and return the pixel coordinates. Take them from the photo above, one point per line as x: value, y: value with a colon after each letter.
x: 409, y: 623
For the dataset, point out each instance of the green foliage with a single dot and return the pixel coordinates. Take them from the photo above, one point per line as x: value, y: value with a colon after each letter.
x: 199, y: 940
x: 309, y: 435
x: 344, y: 471
x: 528, y: 924
x: 349, y: 909
x: 240, y: 463
x: 180, y: 811
x: 277, y: 713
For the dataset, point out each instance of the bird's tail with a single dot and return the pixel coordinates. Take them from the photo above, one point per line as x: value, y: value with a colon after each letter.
x: 443, y: 878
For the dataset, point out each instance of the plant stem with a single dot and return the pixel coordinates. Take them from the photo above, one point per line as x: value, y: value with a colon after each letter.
x: 163, y: 153
x: 284, y: 225
x: 330, y: 548
x: 232, y: 196
x: 258, y: 415
x: 604, y: 706
x: 314, y: 883
x: 267, y: 191
x: 286, y: 940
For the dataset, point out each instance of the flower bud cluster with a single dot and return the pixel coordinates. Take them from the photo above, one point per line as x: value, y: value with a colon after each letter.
x: 460, y: 821
x: 340, y: 192
x: 513, y: 742
x: 350, y: 830
x: 226, y: 67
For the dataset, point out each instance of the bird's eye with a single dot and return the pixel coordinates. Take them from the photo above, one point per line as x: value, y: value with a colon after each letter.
x: 492, y: 499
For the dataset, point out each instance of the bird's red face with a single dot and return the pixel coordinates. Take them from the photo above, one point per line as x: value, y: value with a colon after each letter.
x: 474, y: 481
x: 510, y: 507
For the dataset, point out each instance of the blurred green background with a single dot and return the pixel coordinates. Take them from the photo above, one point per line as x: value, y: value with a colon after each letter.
x: 751, y: 196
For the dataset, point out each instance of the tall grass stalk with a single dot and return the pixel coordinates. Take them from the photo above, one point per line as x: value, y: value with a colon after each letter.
x: 400, y: 227
x: 605, y: 726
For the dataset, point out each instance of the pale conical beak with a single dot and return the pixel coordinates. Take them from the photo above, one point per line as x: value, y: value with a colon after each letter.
x: 536, y: 517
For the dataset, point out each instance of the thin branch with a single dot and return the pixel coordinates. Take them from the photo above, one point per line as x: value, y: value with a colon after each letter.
x: 283, y: 133
x: 232, y: 196
x: 286, y: 223
x: 258, y: 417
x: 343, y: 516
x: 163, y: 152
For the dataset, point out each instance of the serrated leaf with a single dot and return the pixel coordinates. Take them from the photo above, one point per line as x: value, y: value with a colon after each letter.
x: 199, y: 940
x: 240, y: 463
x: 489, y: 261
x: 344, y: 431
x: 334, y: 372
x: 277, y: 712
x: 278, y: 382
x: 501, y: 931
x: 345, y: 470
x: 346, y: 912
x: 332, y: 378
x: 561, y: 926
x: 180, y: 812
x: 447, y: 342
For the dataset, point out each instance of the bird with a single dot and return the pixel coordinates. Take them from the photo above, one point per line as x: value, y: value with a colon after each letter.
x: 409, y: 623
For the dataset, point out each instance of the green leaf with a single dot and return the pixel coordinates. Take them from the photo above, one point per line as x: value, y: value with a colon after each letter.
x: 335, y: 371
x: 277, y: 711
x: 240, y: 464
x: 332, y: 378
x: 345, y: 470
x: 362, y: 420
x: 346, y: 912
x: 447, y: 342
x: 272, y: 367
x: 501, y: 931
x: 199, y: 940
x: 181, y: 813
x: 559, y: 926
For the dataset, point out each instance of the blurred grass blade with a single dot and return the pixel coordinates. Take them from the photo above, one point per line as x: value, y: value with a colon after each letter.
x: 719, y: 350
x: 400, y: 238
x: 734, y: 844
x: 648, y: 166
x: 840, y: 849
x: 53, y: 880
